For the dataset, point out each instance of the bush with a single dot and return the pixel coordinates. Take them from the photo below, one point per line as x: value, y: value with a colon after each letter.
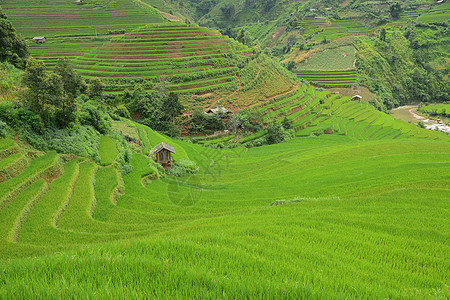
x: 173, y: 130
x: 91, y: 114
x: 30, y: 120
x: 78, y: 140
x: 9, y: 113
x: 275, y: 134
x: 121, y: 111
x: 4, y: 128
x: 122, y: 162
x: 182, y: 167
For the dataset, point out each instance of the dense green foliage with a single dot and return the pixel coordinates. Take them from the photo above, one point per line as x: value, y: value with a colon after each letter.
x: 399, y: 68
x: 442, y: 110
x: 52, y: 96
x: 12, y: 46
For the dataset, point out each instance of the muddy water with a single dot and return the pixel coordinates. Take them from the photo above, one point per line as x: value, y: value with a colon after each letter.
x: 409, y: 113
x: 406, y: 113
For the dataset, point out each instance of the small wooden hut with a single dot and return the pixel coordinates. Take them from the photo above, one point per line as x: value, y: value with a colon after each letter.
x: 39, y: 39
x: 163, y: 154
x: 356, y: 98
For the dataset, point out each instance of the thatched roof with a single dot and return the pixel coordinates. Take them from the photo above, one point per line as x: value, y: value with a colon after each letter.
x: 162, y: 146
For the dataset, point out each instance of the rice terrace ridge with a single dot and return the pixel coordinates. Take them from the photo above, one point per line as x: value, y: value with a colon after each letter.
x: 216, y: 149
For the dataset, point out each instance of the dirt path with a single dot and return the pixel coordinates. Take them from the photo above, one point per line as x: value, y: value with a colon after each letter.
x: 240, y: 88
x: 354, y: 62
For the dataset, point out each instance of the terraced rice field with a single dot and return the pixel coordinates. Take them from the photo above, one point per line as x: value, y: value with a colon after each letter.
x: 314, y: 112
x: 70, y: 47
x: 340, y: 58
x: 62, y: 18
x: 439, y: 13
x: 341, y: 28
x: 193, y: 59
x: 329, y: 78
x: 312, y: 217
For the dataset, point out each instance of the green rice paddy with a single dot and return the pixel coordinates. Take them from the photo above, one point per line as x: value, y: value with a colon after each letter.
x: 108, y: 151
x: 356, y: 206
x: 62, y: 18
x: 315, y: 217
x: 329, y: 78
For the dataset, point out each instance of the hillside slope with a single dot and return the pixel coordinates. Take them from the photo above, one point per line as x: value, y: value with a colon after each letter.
x: 349, y: 209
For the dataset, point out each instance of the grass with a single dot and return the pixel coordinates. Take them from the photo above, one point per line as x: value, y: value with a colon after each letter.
x: 361, y: 213
x: 106, y: 182
x: 329, y: 78
x: 33, y: 18
x: 341, y: 58
x: 352, y: 211
x: 107, y: 150
x: 437, y: 109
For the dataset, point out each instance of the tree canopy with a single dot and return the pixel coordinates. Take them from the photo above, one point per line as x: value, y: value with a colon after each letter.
x: 13, y: 47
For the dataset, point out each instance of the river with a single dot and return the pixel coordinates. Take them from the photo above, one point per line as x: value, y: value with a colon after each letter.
x: 408, y: 113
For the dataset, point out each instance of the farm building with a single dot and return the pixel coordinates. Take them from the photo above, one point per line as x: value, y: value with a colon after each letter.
x: 218, y: 110
x: 39, y: 39
x: 356, y: 98
x: 163, y: 154
x: 79, y: 2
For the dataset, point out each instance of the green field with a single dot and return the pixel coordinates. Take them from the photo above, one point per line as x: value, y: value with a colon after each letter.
x: 62, y: 18
x: 341, y: 58
x: 107, y: 150
x: 437, y: 109
x: 194, y: 59
x: 319, y: 217
x: 353, y: 204
x: 329, y: 78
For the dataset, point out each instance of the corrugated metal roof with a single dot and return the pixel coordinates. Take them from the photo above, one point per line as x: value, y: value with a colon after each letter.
x: 163, y: 145
x: 219, y: 109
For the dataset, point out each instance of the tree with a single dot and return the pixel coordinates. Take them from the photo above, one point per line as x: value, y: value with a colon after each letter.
x: 162, y: 87
x: 290, y: 65
x: 171, y: 107
x: 383, y: 35
x: 72, y: 82
x: 34, y: 78
x: 268, y: 4
x: 275, y: 133
x: 12, y: 47
x: 52, y: 96
x: 96, y: 88
x: 286, y: 123
x: 228, y: 11
x: 395, y: 10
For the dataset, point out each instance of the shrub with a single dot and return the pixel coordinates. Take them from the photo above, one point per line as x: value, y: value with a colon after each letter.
x: 30, y: 120
x: 9, y: 113
x: 182, y: 167
x: 121, y: 111
x: 275, y: 134
x: 78, y: 140
x: 4, y: 128
x: 91, y: 114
